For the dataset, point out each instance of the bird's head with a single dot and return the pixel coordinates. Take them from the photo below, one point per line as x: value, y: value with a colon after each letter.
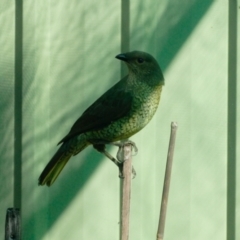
x: 141, y: 64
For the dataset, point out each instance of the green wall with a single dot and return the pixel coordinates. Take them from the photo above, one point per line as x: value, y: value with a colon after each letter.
x: 68, y: 61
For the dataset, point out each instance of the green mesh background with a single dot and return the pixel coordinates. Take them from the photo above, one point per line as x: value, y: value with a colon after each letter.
x: 68, y: 50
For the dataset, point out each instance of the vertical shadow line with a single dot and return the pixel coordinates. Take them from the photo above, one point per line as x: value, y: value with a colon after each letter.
x: 18, y: 103
x: 125, y: 31
x: 232, y: 128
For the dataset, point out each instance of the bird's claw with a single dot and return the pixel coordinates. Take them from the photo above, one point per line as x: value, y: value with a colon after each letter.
x: 121, y: 175
x: 126, y: 142
x: 100, y: 146
x: 120, y: 158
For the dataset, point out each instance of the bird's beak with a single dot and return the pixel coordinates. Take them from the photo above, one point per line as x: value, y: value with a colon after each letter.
x: 122, y: 57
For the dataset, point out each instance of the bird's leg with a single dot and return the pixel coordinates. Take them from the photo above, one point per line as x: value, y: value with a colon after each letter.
x: 101, y: 148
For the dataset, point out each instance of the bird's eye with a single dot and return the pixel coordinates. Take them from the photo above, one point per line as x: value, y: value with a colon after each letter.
x: 140, y: 60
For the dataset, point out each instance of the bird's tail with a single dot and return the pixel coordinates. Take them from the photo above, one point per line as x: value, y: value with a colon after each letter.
x: 56, y: 164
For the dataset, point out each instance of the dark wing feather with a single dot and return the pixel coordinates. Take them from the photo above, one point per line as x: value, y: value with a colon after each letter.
x: 112, y: 105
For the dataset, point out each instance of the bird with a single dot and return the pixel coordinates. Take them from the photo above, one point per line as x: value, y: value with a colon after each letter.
x: 119, y: 113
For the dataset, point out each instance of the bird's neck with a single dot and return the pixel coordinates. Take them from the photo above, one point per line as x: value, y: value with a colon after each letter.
x: 151, y: 79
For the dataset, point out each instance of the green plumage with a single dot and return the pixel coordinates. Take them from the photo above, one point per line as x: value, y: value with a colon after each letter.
x: 118, y: 114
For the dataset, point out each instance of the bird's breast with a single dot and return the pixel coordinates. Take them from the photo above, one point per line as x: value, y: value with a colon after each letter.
x: 145, y: 103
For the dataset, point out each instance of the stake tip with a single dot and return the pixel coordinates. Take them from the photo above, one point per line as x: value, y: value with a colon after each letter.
x: 174, y: 124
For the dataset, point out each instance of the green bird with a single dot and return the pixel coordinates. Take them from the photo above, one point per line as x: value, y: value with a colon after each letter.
x: 118, y: 114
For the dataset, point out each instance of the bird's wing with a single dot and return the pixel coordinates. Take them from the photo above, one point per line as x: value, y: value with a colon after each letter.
x: 112, y: 105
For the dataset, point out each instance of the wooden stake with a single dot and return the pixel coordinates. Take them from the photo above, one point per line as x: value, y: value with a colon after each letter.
x: 12, y: 225
x: 126, y: 191
x: 163, y: 211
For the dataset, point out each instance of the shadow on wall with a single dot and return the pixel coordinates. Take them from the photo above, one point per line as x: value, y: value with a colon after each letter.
x: 168, y: 31
x: 50, y: 69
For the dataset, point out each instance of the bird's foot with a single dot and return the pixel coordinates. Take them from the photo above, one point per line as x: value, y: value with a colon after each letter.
x: 120, y: 155
x: 126, y: 142
x: 121, y: 175
x: 119, y: 161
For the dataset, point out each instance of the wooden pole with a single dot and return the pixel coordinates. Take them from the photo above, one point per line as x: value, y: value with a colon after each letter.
x: 163, y: 211
x: 12, y: 225
x: 126, y: 190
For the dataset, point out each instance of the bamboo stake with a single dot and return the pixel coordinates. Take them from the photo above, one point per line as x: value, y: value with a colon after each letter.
x: 163, y: 211
x: 126, y: 156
